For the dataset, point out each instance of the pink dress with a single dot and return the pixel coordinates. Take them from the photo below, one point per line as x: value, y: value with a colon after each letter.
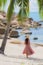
x: 28, y: 50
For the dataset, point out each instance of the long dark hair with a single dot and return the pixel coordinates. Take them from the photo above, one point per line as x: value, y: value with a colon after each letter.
x: 26, y: 41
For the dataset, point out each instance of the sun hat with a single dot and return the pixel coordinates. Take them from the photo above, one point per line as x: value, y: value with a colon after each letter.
x: 27, y: 36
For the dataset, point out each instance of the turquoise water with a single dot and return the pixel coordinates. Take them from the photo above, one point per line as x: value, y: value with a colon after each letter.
x: 38, y: 33
x: 35, y: 16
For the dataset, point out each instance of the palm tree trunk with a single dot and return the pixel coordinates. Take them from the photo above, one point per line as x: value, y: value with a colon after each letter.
x: 5, y: 39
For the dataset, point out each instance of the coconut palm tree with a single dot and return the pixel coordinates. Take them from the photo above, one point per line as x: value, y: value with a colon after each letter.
x: 24, y: 9
x: 9, y: 15
x: 40, y: 5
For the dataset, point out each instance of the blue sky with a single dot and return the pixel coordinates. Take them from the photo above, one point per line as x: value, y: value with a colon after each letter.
x: 33, y: 6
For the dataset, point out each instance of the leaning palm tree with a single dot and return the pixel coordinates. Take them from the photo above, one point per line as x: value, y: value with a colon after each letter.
x: 40, y: 5
x: 9, y: 15
x: 23, y: 13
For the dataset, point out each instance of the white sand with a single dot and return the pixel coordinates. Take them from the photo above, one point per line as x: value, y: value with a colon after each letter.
x: 15, y: 56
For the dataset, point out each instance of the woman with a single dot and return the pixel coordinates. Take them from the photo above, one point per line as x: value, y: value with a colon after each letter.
x: 27, y: 50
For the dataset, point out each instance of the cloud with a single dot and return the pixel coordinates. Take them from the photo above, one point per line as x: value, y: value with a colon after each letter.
x: 33, y: 6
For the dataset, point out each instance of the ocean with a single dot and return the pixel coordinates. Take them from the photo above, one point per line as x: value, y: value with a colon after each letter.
x: 36, y: 32
x: 35, y: 16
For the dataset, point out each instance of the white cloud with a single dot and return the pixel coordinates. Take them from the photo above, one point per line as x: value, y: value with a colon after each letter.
x: 33, y: 6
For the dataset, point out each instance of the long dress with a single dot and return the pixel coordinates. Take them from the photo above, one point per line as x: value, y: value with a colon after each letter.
x: 28, y: 50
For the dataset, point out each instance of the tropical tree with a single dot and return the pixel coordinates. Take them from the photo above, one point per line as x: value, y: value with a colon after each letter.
x: 40, y: 5
x: 24, y: 10
x: 9, y: 15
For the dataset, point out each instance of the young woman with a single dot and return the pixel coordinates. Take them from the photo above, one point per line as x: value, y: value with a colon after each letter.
x: 27, y: 50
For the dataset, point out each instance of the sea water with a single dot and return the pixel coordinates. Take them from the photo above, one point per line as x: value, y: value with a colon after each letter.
x: 35, y: 16
x: 36, y: 32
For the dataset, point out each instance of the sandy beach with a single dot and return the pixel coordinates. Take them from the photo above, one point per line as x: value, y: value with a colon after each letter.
x: 13, y: 54
x: 21, y: 21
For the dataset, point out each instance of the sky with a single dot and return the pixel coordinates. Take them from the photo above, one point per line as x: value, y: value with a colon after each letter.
x: 33, y: 6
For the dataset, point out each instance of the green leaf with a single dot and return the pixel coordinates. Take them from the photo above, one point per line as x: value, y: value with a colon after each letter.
x: 40, y: 4
x: 24, y: 9
x: 4, y: 2
x: 0, y: 3
x: 10, y: 10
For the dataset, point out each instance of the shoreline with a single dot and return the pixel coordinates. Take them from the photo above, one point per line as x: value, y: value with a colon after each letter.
x: 17, y: 41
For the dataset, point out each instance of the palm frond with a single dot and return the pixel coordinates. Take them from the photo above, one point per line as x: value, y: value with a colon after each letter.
x: 40, y: 4
x: 4, y: 2
x: 24, y: 9
x: 10, y: 10
x: 0, y: 3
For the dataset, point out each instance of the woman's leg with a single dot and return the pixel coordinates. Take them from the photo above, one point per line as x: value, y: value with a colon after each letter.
x: 26, y: 55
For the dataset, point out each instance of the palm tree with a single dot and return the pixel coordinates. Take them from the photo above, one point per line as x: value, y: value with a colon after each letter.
x: 9, y: 15
x: 24, y: 8
x: 40, y: 5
